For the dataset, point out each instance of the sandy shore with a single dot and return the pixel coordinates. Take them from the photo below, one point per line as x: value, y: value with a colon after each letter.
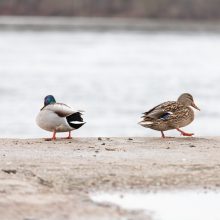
x: 52, y: 180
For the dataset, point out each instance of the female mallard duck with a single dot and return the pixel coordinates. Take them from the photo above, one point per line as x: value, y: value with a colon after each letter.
x: 58, y: 117
x: 171, y: 115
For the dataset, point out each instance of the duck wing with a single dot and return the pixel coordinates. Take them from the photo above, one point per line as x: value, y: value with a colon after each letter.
x: 62, y: 110
x: 162, y: 111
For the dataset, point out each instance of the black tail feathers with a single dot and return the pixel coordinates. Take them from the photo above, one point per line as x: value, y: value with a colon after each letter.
x: 75, y: 120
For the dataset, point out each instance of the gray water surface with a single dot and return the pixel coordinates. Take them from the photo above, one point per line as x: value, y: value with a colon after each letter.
x: 113, y: 76
x: 167, y: 205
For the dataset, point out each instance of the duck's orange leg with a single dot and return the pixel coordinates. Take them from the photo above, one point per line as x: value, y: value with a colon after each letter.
x: 163, y: 136
x: 53, y: 138
x: 185, y: 133
x: 69, y: 136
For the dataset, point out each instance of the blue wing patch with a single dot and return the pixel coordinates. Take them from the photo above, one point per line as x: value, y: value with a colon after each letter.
x: 165, y: 116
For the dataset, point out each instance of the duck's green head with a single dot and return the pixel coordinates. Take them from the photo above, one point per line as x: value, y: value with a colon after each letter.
x: 49, y: 100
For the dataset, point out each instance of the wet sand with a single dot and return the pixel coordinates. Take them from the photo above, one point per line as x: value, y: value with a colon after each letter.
x: 52, y: 180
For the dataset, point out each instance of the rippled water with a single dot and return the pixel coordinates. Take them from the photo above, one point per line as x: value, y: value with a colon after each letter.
x: 113, y: 76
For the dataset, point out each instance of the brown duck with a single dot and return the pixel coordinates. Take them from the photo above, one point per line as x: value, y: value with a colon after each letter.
x: 171, y: 115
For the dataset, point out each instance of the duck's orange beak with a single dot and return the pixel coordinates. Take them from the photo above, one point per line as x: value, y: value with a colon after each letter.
x: 194, y: 106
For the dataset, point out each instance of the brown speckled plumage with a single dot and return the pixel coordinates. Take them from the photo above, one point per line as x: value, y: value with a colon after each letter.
x: 170, y: 115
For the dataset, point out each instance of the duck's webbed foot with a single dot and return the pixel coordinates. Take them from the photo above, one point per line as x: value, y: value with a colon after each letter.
x: 185, y: 133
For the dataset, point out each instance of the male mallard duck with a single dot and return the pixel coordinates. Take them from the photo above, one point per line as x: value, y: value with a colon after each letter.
x: 171, y: 115
x: 58, y: 117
